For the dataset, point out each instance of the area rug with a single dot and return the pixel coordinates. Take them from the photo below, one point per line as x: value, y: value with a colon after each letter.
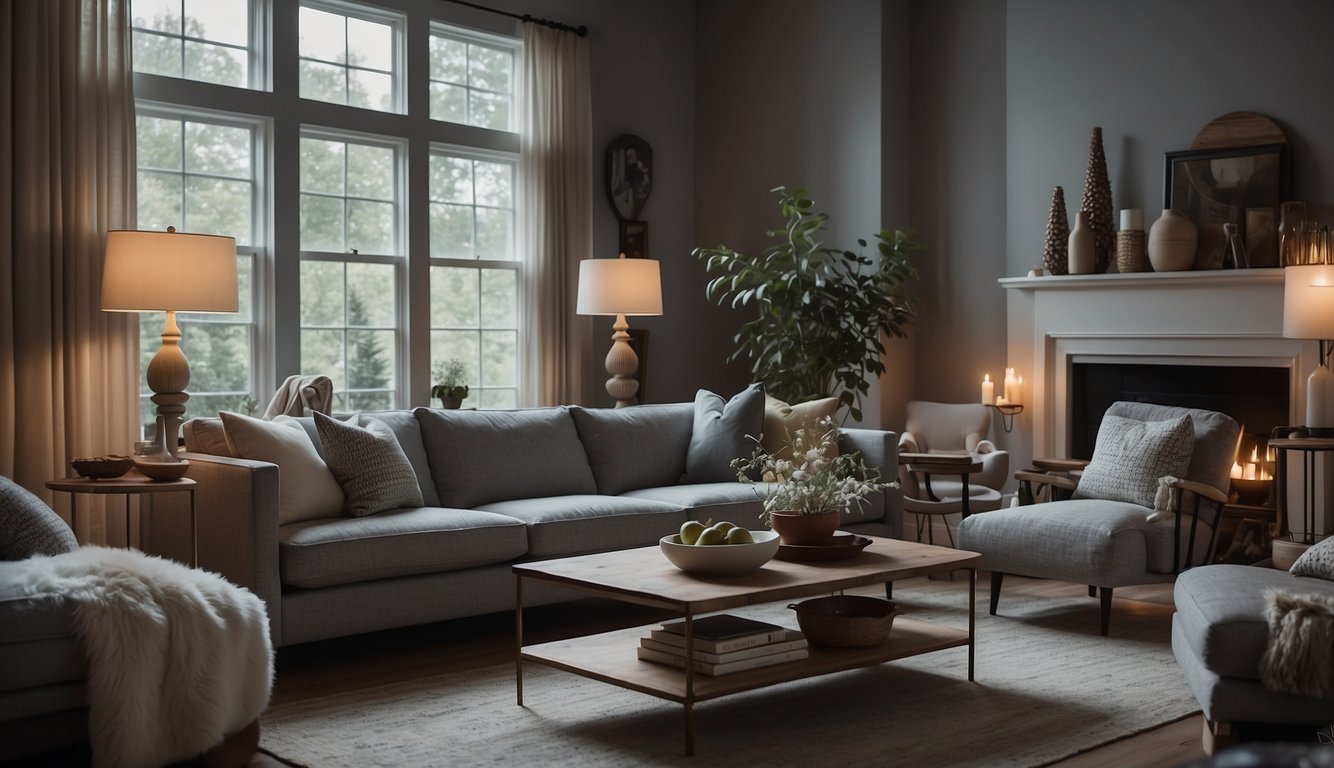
x: 1048, y: 686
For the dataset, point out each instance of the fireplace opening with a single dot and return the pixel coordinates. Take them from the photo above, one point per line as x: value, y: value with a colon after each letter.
x: 1256, y: 396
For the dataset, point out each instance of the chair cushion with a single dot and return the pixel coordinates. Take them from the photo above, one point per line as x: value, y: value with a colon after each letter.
x: 401, y: 542
x: 719, y: 433
x: 572, y: 525
x: 642, y: 446
x: 478, y: 457
x: 782, y: 421
x: 1318, y: 561
x: 306, y: 488
x: 1130, y: 456
x: 1215, y: 438
x: 28, y: 527
x: 946, y: 426
x: 368, y: 464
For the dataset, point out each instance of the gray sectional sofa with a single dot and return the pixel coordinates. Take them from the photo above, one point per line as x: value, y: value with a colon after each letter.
x: 499, y: 487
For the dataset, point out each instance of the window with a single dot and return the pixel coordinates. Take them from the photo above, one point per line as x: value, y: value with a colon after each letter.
x: 349, y: 306
x: 349, y: 59
x: 475, y: 272
x: 208, y: 40
x: 200, y: 176
x: 471, y: 82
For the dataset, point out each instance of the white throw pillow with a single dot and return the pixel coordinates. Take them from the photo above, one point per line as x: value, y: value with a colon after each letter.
x: 307, y: 489
x: 1130, y: 456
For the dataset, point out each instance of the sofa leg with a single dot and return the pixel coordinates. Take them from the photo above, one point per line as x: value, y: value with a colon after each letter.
x: 889, y: 590
x: 996, y: 579
x: 1217, y: 736
x: 1105, y: 608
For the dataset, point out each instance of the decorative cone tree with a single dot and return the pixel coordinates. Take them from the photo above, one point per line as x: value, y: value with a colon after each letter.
x: 1098, y: 202
x: 1056, y: 251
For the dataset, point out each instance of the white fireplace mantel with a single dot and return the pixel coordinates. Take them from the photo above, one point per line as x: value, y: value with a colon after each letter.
x: 1221, y: 317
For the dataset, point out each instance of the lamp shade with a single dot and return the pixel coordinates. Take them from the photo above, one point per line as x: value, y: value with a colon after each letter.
x: 619, y: 287
x: 1308, y: 302
x: 147, y: 271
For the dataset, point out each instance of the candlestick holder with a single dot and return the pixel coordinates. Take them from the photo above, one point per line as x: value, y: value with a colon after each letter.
x: 1007, y: 411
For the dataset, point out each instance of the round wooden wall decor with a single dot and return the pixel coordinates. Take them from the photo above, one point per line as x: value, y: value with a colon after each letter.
x: 1239, y: 129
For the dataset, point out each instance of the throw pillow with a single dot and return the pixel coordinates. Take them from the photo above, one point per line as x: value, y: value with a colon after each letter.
x: 719, y: 432
x: 632, y: 448
x: 369, y: 464
x: 781, y: 422
x: 1301, y: 632
x: 28, y: 527
x: 1130, y: 456
x: 1317, y: 561
x: 306, y: 488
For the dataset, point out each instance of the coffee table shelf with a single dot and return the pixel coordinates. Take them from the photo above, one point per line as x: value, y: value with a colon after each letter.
x: 644, y: 577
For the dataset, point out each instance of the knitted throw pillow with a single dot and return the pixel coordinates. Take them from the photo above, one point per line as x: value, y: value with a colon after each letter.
x: 1130, y: 456
x: 369, y: 464
x: 1318, y: 561
x: 28, y: 527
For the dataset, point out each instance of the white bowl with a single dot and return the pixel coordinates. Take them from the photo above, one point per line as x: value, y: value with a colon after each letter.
x: 721, y: 559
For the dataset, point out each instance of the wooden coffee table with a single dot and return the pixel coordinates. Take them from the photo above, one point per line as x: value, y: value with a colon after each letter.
x: 644, y: 577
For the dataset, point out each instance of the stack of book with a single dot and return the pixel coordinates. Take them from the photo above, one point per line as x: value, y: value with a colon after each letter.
x: 723, y: 644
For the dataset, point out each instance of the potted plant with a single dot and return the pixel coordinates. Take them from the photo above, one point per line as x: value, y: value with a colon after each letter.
x: 819, y: 311
x: 449, y: 387
x: 805, y: 495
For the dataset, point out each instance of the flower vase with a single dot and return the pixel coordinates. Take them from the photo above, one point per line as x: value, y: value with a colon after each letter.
x: 804, y: 530
x: 1172, y: 240
x: 1081, y: 246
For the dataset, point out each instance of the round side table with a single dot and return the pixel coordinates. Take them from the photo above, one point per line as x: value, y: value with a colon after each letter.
x: 130, y: 484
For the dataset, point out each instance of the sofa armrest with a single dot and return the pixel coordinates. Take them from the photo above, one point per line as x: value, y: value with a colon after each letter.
x: 236, y: 507
x: 880, y: 450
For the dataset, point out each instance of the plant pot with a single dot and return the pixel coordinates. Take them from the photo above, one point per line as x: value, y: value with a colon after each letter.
x: 803, y: 530
x: 1286, y: 552
x: 451, y: 403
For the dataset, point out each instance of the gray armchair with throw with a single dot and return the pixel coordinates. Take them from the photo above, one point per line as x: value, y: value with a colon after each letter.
x: 1144, y: 509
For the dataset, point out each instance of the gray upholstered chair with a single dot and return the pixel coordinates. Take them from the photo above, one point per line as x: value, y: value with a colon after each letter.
x: 1144, y: 509
x: 936, y: 439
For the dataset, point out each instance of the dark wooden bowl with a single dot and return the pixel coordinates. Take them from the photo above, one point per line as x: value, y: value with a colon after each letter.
x: 102, y: 467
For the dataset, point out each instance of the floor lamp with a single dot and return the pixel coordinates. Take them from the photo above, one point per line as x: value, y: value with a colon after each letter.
x: 147, y: 271
x: 621, y: 287
x: 1308, y: 313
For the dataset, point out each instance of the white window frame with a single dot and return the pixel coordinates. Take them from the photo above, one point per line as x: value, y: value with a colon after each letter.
x: 472, y: 37
x: 260, y: 74
x: 397, y: 22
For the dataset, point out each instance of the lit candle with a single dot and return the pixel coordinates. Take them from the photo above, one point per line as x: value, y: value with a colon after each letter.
x: 1000, y: 400
x: 1009, y: 385
x: 1255, y: 454
x: 1018, y: 395
x: 988, y: 390
x: 1236, y: 471
x: 1249, y: 474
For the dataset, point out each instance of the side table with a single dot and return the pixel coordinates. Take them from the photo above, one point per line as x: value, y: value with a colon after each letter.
x: 130, y: 484
x: 1308, y: 447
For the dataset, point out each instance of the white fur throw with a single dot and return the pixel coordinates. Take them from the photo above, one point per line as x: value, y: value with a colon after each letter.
x: 178, y: 658
x: 1301, y: 634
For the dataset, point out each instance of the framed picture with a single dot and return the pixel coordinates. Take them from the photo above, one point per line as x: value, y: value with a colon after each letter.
x: 1242, y: 186
x: 629, y: 165
x: 634, y: 239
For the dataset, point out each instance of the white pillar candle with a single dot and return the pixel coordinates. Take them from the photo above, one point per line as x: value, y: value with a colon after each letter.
x: 1009, y: 385
x: 1236, y: 471
x: 1132, y: 219
x: 988, y: 390
x: 1017, y: 397
x: 1319, y: 393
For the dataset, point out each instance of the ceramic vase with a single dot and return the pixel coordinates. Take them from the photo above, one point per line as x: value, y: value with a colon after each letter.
x: 804, y: 530
x: 1081, y: 246
x: 1172, y: 240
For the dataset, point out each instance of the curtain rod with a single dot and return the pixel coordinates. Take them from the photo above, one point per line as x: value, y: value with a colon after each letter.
x: 580, y: 30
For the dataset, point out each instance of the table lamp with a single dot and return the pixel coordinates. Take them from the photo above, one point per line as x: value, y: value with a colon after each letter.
x: 620, y: 287
x: 1308, y: 313
x: 149, y: 271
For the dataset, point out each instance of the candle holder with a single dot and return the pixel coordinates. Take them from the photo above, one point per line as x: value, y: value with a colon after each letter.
x: 1007, y: 411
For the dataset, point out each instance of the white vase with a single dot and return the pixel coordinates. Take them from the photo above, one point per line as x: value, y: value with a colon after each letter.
x: 1320, y: 398
x: 1081, y: 246
x: 1172, y: 240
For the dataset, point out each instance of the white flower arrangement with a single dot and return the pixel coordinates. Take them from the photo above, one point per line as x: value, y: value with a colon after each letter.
x: 812, y: 482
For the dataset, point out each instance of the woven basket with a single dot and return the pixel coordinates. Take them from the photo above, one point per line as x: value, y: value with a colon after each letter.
x: 845, y: 621
x: 1130, y: 251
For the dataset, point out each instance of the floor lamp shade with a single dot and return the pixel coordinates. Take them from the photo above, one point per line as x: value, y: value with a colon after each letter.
x: 1308, y: 313
x: 620, y: 287
x: 169, y: 272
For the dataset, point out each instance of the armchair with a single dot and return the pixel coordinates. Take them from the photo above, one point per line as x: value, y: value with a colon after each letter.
x: 947, y: 466
x: 1144, y: 509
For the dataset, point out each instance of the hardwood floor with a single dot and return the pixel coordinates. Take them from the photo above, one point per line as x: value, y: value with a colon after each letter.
x: 318, y: 669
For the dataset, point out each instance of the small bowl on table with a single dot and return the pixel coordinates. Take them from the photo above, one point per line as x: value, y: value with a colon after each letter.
x: 102, y: 467
x: 845, y: 621
x: 721, y: 559
x: 156, y: 469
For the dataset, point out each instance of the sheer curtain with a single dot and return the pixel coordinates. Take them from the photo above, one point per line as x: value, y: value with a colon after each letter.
x: 68, y: 379
x: 556, y: 172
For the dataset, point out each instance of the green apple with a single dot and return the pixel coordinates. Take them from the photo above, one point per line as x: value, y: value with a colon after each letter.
x: 724, y: 526
x: 690, y: 531
x: 711, y: 536
x: 740, y: 536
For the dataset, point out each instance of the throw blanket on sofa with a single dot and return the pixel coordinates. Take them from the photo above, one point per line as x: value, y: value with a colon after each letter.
x: 178, y: 658
x: 1301, y: 634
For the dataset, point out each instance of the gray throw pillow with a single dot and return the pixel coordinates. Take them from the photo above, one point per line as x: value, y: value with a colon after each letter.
x: 643, y: 446
x: 28, y: 527
x: 1130, y: 456
x: 719, y: 433
x: 369, y: 464
x: 1318, y: 561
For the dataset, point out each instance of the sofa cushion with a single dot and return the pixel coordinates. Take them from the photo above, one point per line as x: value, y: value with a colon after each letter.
x: 782, y: 421
x: 1130, y: 456
x: 1318, y: 561
x: 409, y: 433
x: 478, y: 457
x: 306, y: 488
x: 734, y: 502
x: 368, y: 463
x: 637, y: 447
x: 719, y: 433
x: 572, y: 525
x: 401, y: 542
x: 38, y: 645
x: 28, y: 527
x: 1221, y: 610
